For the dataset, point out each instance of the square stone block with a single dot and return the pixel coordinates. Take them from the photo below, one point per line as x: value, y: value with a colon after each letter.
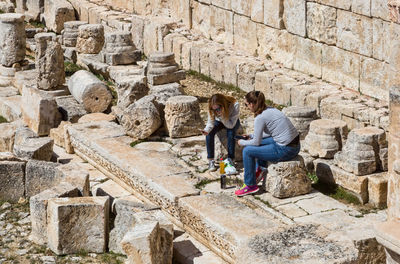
x: 294, y: 16
x: 245, y: 36
x: 380, y: 9
x: 308, y: 57
x: 242, y: 7
x: 201, y: 14
x: 377, y: 189
x: 40, y: 175
x: 12, y: 174
x: 273, y: 10
x: 374, y: 79
x: 321, y: 23
x: 221, y: 25
x: 257, y: 11
x: 76, y: 224
x: 361, y: 7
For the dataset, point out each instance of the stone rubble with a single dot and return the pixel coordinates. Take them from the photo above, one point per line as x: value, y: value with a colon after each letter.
x: 90, y: 38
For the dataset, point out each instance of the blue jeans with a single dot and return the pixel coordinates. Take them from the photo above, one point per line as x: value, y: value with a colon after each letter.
x: 268, y: 150
x: 230, y: 133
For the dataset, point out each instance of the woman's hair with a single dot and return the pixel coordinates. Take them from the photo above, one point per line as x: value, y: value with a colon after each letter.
x: 223, y: 101
x: 258, y: 99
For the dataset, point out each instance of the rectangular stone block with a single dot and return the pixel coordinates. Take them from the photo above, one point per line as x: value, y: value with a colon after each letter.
x: 88, y: 218
x: 230, y: 69
x: 300, y: 92
x: 273, y: 11
x: 377, y: 189
x: 7, y: 137
x: 205, y: 58
x: 221, y: 25
x: 137, y: 31
x: 342, y: 4
x: 38, y: 209
x: 201, y: 19
x: 380, y: 9
x: 381, y: 39
x: 70, y: 109
x: 217, y: 64
x: 242, y: 7
x: 40, y: 148
x: 155, y: 29
x: 33, y: 9
x: 226, y: 4
x: 374, y: 79
x: 168, y: 41
x: 245, y: 36
x: 110, y: 189
x: 195, y: 55
x: 12, y: 180
x: 354, y: 32
x: 263, y: 83
x: 183, y: 10
x: 281, y: 86
x: 168, y: 78
x: 10, y: 107
x: 294, y: 16
x: 76, y: 176
x: 186, y: 55
x: 177, y: 48
x: 361, y: 7
x: 329, y: 173
x: 308, y: 57
x: 341, y: 67
x: 321, y: 23
x: 94, y: 14
x: 257, y: 11
x: 247, y: 71
x: 56, y: 12
x: 40, y: 175
x: 39, y: 110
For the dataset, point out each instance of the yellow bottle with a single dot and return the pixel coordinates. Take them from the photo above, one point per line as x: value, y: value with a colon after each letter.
x: 221, y: 166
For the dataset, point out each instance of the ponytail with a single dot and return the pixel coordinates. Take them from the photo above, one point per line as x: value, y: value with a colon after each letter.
x: 258, y: 99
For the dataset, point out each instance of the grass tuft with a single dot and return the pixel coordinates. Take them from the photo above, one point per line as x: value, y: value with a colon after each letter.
x: 221, y: 85
x: 313, y: 177
x: 37, y: 24
x: 264, y: 202
x: 112, y: 258
x: 71, y: 68
x: 3, y: 119
x: 337, y: 193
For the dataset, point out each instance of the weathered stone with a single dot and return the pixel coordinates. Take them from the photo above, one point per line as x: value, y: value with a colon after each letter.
x: 56, y: 13
x: 294, y: 16
x: 341, y: 67
x: 119, y: 49
x: 70, y: 109
x: 380, y: 9
x: 12, y: 180
x: 39, y: 176
x: 321, y: 23
x: 354, y: 32
x: 342, y: 4
x: 49, y: 62
x: 70, y: 34
x: 58, y: 134
x: 287, y: 179
x: 221, y: 25
x: 89, y: 91
x: 38, y: 209
x: 34, y: 148
x: 130, y: 89
x: 86, y: 216
x: 70, y: 54
x: 95, y: 117
x: 182, y: 115
x: 221, y: 145
x: 90, y: 38
x: 166, y: 78
x: 201, y: 19
x: 372, y: 84
x: 377, y: 189
x: 308, y: 57
x: 39, y: 110
x: 7, y: 7
x: 273, y: 10
x: 247, y: 71
x: 381, y: 39
x: 12, y: 39
x: 25, y: 78
x: 325, y: 137
x: 165, y: 91
x: 141, y: 119
x: 7, y: 137
x: 155, y: 29
x: 245, y: 36
x: 76, y: 176
x: 361, y: 7
x: 301, y: 117
x: 110, y: 189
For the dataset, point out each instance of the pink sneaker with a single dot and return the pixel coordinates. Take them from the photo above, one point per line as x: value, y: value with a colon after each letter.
x: 260, y: 174
x: 246, y: 190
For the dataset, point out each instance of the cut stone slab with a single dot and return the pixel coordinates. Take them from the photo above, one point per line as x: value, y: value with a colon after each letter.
x: 166, y: 78
x: 12, y: 180
x: 7, y: 137
x: 291, y: 210
x: 110, y: 189
x: 70, y: 109
x: 320, y: 203
x: 38, y: 209
x: 35, y: 148
x: 10, y: 107
x: 95, y: 117
x: 76, y: 224
x: 56, y: 13
x: 76, y: 176
x: 40, y: 175
x: 388, y: 235
x: 377, y: 189
x: 8, y: 91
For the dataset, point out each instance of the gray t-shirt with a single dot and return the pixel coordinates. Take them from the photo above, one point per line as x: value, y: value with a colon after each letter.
x: 272, y: 122
x: 228, y: 123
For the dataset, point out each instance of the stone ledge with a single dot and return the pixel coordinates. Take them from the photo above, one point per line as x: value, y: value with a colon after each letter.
x: 388, y: 234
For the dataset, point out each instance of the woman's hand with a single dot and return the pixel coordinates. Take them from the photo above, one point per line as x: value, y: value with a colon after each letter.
x: 205, y: 133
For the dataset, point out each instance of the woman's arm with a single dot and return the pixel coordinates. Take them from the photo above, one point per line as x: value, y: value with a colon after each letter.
x: 257, y: 135
x: 209, y: 125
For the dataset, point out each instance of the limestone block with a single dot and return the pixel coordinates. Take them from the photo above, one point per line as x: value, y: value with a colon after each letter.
x: 110, y: 189
x: 90, y: 38
x: 155, y: 29
x: 76, y: 224
x: 39, y: 110
x: 230, y: 69
x: 130, y: 89
x: 278, y: 45
x: 165, y: 91
x: 257, y: 11
x: 341, y: 67
x: 12, y: 180
x: 287, y: 179
x: 245, y: 36
x: 7, y: 137
x: 38, y: 209
x: 247, y: 71
x: 273, y: 10
x: 362, y: 164
x: 217, y: 64
x: 354, y: 32
x: 226, y: 4
x: 25, y: 78
x: 380, y: 9
x: 142, y: 118
x: 195, y: 55
x: 39, y: 176
x: 263, y: 83
x: 373, y: 84
x: 56, y: 13
x: 308, y: 57
x: 94, y: 117
x: 89, y: 91
x: 205, y: 58
x: 321, y: 23
x: 183, y: 11
x: 69, y: 108
x: 221, y: 25
x: 294, y: 16
x: 281, y: 89
x: 177, y: 45
x: 49, y: 62
x: 12, y: 39
x: 7, y: 7
x: 125, y: 209
x: 329, y: 173
x: 241, y: 7
x: 182, y: 116
x: 57, y: 134
x: 138, y: 31
x: 301, y: 117
x: 361, y: 7
x: 70, y: 54
x: 35, y: 148
x: 70, y: 33
x: 201, y: 15
x: 342, y: 4
x: 76, y: 176
x: 381, y: 39
x: 377, y: 189
x: 155, y: 79
x: 325, y: 137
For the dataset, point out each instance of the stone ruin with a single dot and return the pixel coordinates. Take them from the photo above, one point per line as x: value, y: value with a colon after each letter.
x: 271, y: 47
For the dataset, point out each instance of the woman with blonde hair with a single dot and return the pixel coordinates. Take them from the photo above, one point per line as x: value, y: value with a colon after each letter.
x: 223, y: 112
x: 274, y: 139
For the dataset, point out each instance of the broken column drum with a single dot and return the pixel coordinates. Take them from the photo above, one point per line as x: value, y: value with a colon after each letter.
x: 90, y: 39
x: 163, y: 69
x: 12, y: 39
x: 119, y: 49
x: 70, y: 34
x: 89, y: 91
x: 301, y: 117
x: 49, y: 62
x: 182, y: 116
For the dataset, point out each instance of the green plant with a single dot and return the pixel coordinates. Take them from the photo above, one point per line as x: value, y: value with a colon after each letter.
x: 136, y: 142
x: 224, y: 86
x: 37, y: 24
x: 201, y: 184
x: 112, y: 258
x: 2, y: 119
x: 82, y: 253
x: 336, y: 192
x: 71, y: 68
x: 313, y: 177
x: 264, y: 202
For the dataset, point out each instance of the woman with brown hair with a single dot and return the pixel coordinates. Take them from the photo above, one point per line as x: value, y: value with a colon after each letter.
x: 274, y: 139
x: 223, y: 112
